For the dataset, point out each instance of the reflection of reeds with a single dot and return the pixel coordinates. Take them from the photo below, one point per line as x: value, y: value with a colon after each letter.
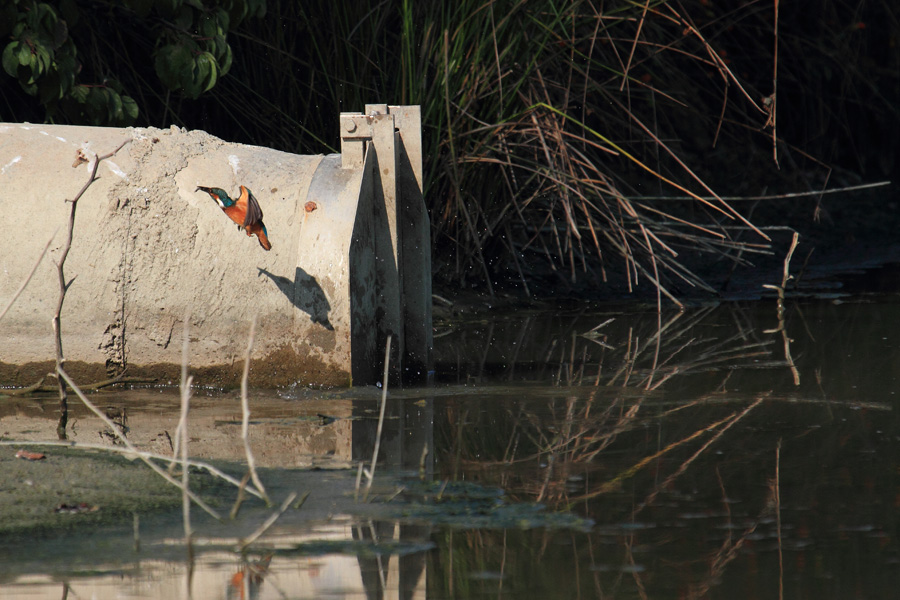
x: 645, y: 464
x: 606, y: 425
x: 646, y: 354
x: 605, y: 382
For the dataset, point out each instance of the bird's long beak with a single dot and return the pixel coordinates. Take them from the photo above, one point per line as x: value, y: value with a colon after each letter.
x: 200, y: 187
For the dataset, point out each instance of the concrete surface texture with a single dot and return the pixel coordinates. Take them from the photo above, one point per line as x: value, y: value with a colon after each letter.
x: 148, y: 249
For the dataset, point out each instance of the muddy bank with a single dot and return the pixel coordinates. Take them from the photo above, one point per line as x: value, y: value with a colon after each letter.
x: 77, y: 488
x: 287, y: 439
x: 282, y: 367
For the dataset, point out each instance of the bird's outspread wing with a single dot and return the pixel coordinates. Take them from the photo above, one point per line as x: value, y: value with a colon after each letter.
x: 254, y: 212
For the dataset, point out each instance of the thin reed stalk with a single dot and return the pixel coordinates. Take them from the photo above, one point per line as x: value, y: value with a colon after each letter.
x: 245, y: 416
x: 777, y: 494
x: 143, y: 456
x: 534, y: 123
x: 384, y: 388
x: 244, y: 543
x: 182, y: 433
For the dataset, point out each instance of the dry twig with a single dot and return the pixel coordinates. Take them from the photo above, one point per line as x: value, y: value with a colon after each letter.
x: 63, y: 288
x: 387, y: 364
x: 245, y: 411
x: 130, y: 446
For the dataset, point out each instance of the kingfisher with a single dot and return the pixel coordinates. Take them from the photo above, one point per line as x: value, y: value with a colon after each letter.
x: 244, y: 211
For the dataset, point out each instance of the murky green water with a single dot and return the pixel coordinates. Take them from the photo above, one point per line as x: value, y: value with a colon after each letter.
x: 710, y: 453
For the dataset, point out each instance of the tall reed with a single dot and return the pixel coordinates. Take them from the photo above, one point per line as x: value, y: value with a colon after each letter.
x: 544, y: 124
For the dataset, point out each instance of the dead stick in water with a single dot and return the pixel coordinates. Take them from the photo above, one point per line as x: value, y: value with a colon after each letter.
x: 240, y: 496
x: 786, y: 275
x: 142, y: 455
x: 780, y: 310
x: 63, y: 288
x: 271, y: 520
x: 778, y: 520
x: 384, y: 388
x: 182, y: 419
x: 245, y: 410
x: 359, y: 474
x: 787, y: 260
x: 182, y: 436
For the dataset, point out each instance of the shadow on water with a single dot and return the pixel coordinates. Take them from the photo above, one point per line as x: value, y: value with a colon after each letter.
x: 305, y: 293
x: 717, y: 452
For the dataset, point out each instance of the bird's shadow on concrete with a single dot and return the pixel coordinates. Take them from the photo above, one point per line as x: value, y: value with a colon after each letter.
x: 305, y: 293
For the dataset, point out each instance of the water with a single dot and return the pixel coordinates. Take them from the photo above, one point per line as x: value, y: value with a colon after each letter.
x: 712, y: 453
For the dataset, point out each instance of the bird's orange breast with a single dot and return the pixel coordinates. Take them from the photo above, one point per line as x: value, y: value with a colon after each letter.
x: 235, y: 214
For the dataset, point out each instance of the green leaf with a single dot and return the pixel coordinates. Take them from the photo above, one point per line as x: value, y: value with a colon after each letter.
x: 225, y: 62
x: 200, y: 73
x: 172, y: 62
x: 60, y: 33
x: 241, y: 9
x: 80, y: 94
x: 24, y: 54
x: 40, y: 17
x: 168, y: 9
x: 212, y: 71
x: 130, y: 109
x: 42, y: 60
x: 208, y: 26
x: 237, y: 12
x: 217, y: 46
x: 257, y: 8
x: 11, y: 59
x: 114, y: 106
x: 222, y: 18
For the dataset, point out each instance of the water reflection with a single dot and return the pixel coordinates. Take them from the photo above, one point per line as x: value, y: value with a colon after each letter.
x: 719, y: 452
x: 731, y: 455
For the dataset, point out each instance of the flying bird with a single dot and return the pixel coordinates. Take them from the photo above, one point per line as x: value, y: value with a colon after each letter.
x: 244, y: 211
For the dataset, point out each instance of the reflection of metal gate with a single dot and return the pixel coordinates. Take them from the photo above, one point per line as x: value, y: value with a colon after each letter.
x: 350, y: 260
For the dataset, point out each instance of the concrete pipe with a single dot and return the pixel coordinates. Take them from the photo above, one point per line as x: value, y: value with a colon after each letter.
x: 349, y: 262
